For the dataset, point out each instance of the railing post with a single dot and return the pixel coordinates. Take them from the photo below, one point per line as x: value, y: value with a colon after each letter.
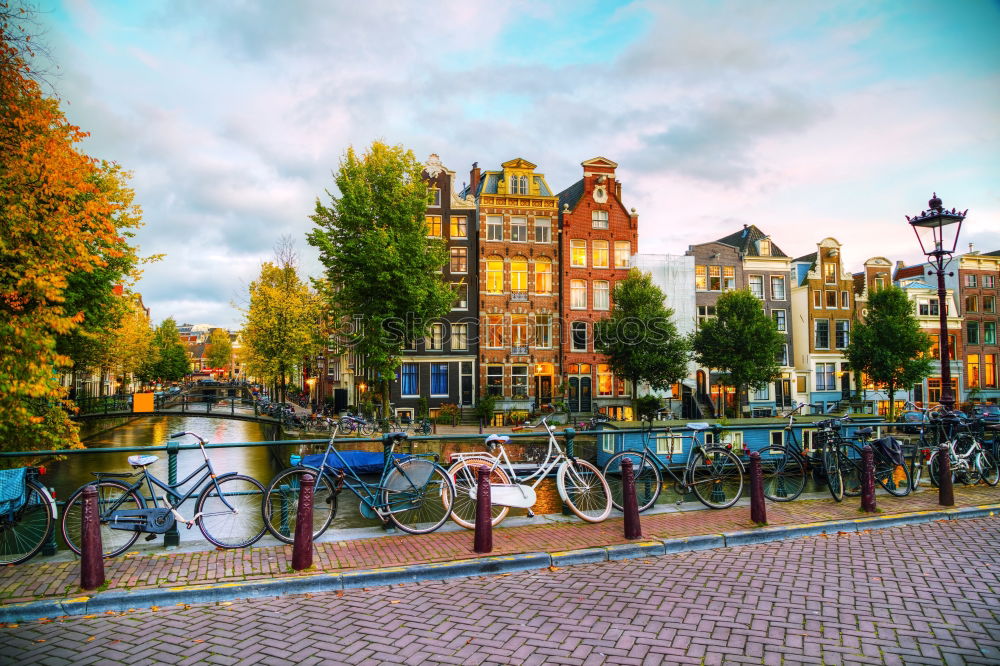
x: 91, y: 550
x: 172, y: 538
x: 758, y: 511
x: 946, y: 490
x: 630, y: 504
x: 303, y: 546
x: 483, y: 540
x: 867, y: 479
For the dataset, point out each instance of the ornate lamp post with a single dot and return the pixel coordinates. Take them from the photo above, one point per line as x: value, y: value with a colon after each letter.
x: 933, y: 228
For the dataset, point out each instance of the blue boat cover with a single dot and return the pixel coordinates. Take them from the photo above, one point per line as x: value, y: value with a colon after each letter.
x: 362, y: 462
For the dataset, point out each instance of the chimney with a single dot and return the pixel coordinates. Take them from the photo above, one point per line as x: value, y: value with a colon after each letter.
x: 618, y: 190
x: 474, y: 178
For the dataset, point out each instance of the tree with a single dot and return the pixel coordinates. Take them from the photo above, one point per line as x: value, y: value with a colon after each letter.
x: 888, y: 346
x: 131, y: 344
x: 741, y: 342
x: 382, y: 267
x: 56, y: 221
x: 220, y: 348
x: 168, y: 361
x: 281, y: 322
x: 639, y: 337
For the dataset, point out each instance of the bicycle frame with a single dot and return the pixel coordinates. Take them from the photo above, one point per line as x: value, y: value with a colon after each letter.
x: 543, y: 470
x: 685, y: 479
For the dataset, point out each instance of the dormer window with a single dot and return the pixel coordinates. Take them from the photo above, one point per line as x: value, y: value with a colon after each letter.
x: 513, y: 184
x: 764, y: 247
x: 524, y: 184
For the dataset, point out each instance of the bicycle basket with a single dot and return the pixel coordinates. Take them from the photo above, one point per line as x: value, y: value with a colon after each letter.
x: 410, y: 475
x: 13, y: 490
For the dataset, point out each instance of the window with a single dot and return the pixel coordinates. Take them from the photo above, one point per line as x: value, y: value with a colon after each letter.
x: 439, y: 379
x: 779, y: 320
x: 927, y: 307
x: 972, y: 332
x: 757, y: 285
x: 879, y: 283
x: 599, y: 219
x: 728, y: 278
x: 831, y: 299
x: 578, y: 253
x: 604, y: 379
x: 777, y: 287
x: 408, y: 383
x: 543, y: 230
x: 601, y: 295
x: 519, y: 229
x: 494, y: 380
x: 669, y: 444
x: 782, y: 358
x: 990, y: 370
x: 934, y: 389
x: 989, y: 304
x: 494, y: 330
x: 843, y: 333
x: 494, y: 228
x: 519, y: 382
x: 459, y: 260
x: 822, y: 340
x: 830, y: 273
x: 845, y: 301
x: 988, y: 282
x: 989, y: 333
x: 972, y: 303
x: 459, y: 337
x: 494, y: 275
x: 623, y: 250
x: 972, y: 370
x: 817, y: 299
x: 434, y: 226
x: 705, y: 312
x: 600, y: 249
x: 578, y: 294
x: 764, y: 247
x: 513, y: 184
x: 825, y: 379
x: 519, y: 274
x: 435, y: 341
x: 715, y: 278
x: 524, y: 185
x: 935, y: 346
x: 700, y: 278
x: 763, y: 393
x: 459, y: 227
x: 434, y: 197
x: 461, y: 296
x: 519, y: 332
x: 579, y: 329
x: 970, y: 280
x: 543, y: 275
x: 543, y: 331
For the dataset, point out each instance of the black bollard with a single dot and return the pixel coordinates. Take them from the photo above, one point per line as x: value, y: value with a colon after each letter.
x: 946, y: 490
x: 92, y: 552
x: 758, y: 511
x: 302, y: 548
x: 868, y: 479
x: 483, y: 542
x: 629, y: 503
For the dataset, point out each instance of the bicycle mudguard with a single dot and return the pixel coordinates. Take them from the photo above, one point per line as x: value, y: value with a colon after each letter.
x: 412, y: 474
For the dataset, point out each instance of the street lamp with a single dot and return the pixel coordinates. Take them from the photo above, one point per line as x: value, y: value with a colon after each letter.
x: 933, y: 228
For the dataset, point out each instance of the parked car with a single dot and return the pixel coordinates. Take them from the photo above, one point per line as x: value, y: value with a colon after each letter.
x: 988, y: 411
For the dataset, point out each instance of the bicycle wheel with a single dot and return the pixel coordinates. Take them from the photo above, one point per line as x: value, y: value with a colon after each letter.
x: 716, y: 477
x: 465, y: 476
x: 834, y: 476
x: 851, y: 469
x: 647, y: 479
x: 419, y: 496
x: 281, y: 503
x: 346, y: 426
x: 231, y: 515
x: 366, y: 429
x: 783, y: 472
x: 989, y: 470
x: 23, y: 533
x: 894, y: 478
x: 584, y: 490
x: 111, y: 496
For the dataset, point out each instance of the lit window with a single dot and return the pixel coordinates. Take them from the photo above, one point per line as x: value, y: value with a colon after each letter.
x: 604, y: 379
x: 519, y: 274
x: 435, y: 341
x: 494, y: 275
x: 623, y: 251
x: 434, y: 226
x: 600, y: 249
x: 830, y: 273
x: 701, y: 278
x: 599, y: 219
x: 971, y: 302
x: 543, y: 230
x: 715, y: 278
x: 459, y: 227
x: 972, y: 369
x: 519, y: 330
x: 601, y: 295
x: 578, y: 253
x: 578, y: 294
x: 728, y: 278
x: 494, y: 330
x: 459, y: 260
x: 543, y: 275
x: 764, y: 247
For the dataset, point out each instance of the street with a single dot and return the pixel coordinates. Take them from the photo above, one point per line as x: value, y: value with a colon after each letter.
x: 867, y: 598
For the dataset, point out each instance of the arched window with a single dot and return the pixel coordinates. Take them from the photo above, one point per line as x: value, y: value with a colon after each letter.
x: 494, y: 275
x: 519, y: 274
x: 543, y: 275
x: 524, y: 184
x: 513, y: 184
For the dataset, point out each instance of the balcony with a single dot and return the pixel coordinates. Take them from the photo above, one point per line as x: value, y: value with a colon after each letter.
x: 521, y: 296
x: 519, y: 350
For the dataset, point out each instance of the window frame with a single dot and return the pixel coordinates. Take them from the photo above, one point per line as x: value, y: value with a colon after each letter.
x: 458, y: 226
x: 436, y: 372
x: 433, y: 226
x: 494, y: 228
x: 576, y: 328
x: 578, y: 253
x: 816, y: 332
x: 622, y: 261
x: 405, y: 370
x: 577, y: 293
x: 605, y: 303
x: 600, y: 248
x: 596, y: 217
x: 518, y: 227
x: 784, y: 292
x: 543, y: 275
x: 461, y: 255
x: 547, y: 226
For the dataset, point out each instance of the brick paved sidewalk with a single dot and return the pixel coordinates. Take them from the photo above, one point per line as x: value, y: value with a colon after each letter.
x: 38, y: 579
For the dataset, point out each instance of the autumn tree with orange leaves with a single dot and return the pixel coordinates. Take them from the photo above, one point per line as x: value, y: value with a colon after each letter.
x: 62, y: 219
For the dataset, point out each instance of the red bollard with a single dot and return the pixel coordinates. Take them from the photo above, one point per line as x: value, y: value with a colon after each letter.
x: 868, y: 479
x: 483, y: 542
x: 302, y: 548
x: 946, y: 489
x: 758, y: 510
x: 92, y: 551
x: 630, y: 505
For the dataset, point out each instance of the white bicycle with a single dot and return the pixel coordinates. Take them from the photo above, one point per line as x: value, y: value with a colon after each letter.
x: 581, y: 485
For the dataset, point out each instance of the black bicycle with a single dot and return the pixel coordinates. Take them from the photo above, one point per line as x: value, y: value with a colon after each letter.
x: 227, y: 511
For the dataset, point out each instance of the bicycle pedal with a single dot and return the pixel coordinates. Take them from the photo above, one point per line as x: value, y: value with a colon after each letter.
x: 150, y: 537
x: 531, y: 514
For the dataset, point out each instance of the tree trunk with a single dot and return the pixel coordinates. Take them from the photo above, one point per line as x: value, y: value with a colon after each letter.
x: 892, y: 402
x: 635, y: 397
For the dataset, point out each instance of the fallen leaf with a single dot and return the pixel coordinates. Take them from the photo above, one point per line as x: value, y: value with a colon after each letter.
x: 154, y: 608
x: 42, y: 640
x: 198, y: 640
x: 88, y: 617
x: 554, y: 568
x: 91, y: 638
x: 110, y: 613
x: 876, y: 579
x: 394, y: 601
x: 340, y: 593
x: 225, y: 603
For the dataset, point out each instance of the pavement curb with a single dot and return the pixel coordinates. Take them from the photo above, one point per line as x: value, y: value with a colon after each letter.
x: 123, y: 600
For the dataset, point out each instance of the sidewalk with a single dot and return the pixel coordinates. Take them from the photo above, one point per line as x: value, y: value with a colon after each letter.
x: 372, y: 561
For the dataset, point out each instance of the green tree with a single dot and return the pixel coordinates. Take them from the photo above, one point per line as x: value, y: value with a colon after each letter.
x: 382, y: 267
x: 741, y: 342
x: 888, y: 346
x: 639, y: 337
x: 220, y: 348
x: 168, y: 360
x: 281, y: 323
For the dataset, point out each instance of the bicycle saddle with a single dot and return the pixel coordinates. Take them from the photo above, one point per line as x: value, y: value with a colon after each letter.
x: 397, y: 435
x: 141, y: 460
x: 699, y: 425
x: 497, y: 439
x: 864, y: 432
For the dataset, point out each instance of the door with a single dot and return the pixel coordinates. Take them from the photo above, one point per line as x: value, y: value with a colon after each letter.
x: 585, y: 395
x: 543, y: 389
x: 702, y: 389
x: 573, y: 399
x: 783, y: 393
x: 466, y: 382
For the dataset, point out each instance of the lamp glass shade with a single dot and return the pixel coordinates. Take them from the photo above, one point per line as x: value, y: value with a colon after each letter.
x: 937, y: 233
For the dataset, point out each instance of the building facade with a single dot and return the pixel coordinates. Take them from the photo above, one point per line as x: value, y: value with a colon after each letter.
x: 978, y: 275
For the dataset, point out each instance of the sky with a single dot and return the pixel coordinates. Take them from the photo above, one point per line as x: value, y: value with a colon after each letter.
x: 807, y: 119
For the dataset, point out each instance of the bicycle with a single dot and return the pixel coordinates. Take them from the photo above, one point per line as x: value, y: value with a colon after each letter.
x: 970, y: 461
x: 350, y: 423
x: 890, y: 469
x: 581, y: 485
x: 714, y: 473
x: 227, y: 510
x: 412, y: 493
x: 27, y: 513
x: 783, y: 466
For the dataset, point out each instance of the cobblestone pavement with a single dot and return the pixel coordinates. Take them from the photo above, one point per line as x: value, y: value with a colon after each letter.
x: 870, y: 597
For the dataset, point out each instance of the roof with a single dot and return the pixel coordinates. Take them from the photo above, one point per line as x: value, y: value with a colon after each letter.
x: 909, y: 272
x: 807, y: 258
x: 745, y: 240
x: 490, y: 179
x: 571, y: 195
x: 994, y: 253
